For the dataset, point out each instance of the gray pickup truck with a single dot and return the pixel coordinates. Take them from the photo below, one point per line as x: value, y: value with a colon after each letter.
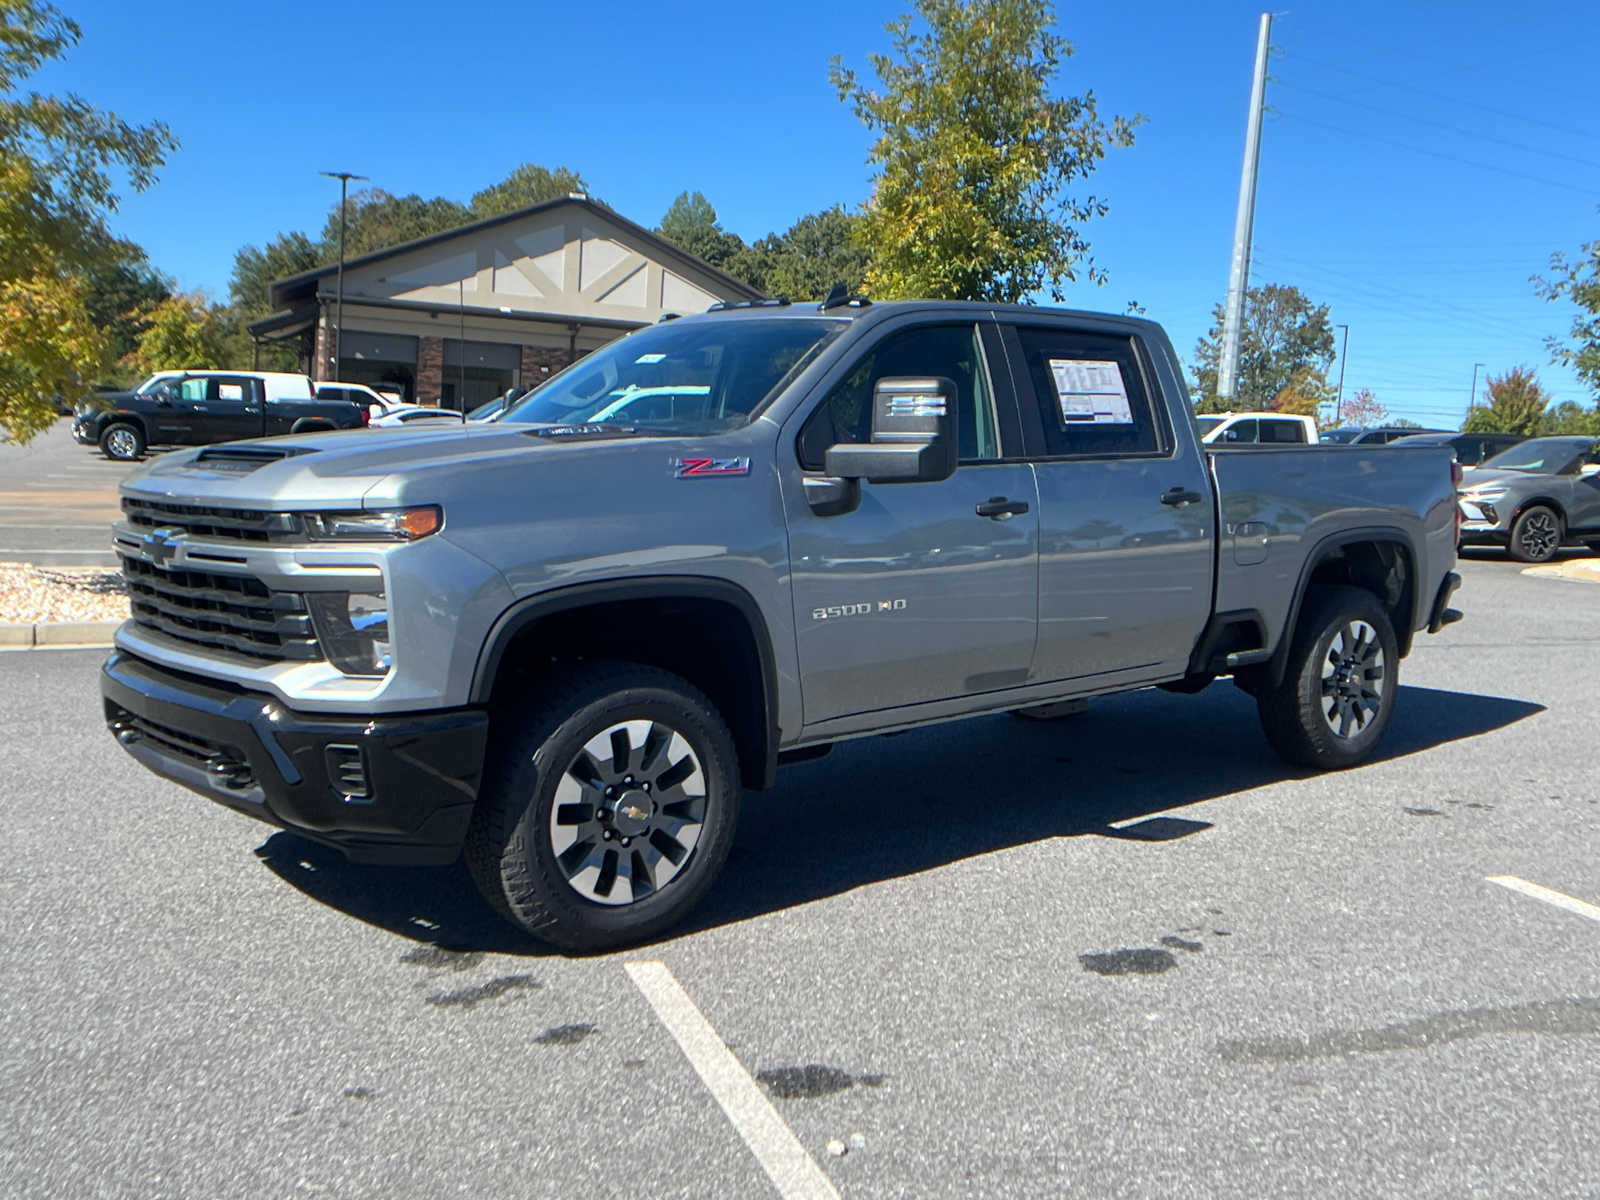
x: 564, y: 643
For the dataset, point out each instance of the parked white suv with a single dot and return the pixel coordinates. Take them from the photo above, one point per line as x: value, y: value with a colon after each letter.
x: 1257, y: 428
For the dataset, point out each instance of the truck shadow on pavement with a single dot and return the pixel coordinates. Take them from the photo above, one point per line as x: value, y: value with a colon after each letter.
x: 882, y: 807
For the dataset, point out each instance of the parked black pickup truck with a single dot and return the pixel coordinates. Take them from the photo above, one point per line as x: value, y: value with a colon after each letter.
x: 198, y: 408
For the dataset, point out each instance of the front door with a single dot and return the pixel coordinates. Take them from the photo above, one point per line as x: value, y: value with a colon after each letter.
x: 1125, y: 533
x: 914, y: 596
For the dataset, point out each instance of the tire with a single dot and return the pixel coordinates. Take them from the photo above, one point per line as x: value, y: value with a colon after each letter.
x: 1536, y: 535
x: 122, y: 442
x: 311, y: 425
x: 561, y: 848
x: 1341, y: 684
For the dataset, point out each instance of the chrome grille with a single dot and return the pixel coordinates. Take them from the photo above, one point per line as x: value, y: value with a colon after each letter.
x: 234, y: 613
x: 232, y: 524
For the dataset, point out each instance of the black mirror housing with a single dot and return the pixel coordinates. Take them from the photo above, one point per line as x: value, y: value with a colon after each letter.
x: 913, y: 434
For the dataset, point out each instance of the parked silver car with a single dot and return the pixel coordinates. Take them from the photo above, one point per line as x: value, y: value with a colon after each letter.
x: 1533, y: 498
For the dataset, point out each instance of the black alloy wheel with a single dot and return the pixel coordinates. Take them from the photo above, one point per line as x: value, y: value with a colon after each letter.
x: 1536, y: 535
x: 608, y: 807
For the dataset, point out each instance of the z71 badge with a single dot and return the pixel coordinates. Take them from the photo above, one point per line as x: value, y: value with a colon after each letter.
x: 694, y: 468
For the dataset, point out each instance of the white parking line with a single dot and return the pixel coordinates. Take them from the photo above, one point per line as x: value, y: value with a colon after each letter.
x: 772, y: 1142
x: 1560, y: 899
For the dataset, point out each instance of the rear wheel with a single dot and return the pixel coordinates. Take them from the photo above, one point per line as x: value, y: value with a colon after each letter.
x: 1535, y: 535
x: 122, y: 442
x: 1339, y: 689
x: 608, y: 808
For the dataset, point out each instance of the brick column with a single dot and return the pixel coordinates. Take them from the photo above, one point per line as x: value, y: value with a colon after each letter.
x: 539, y: 363
x: 322, y: 348
x: 430, y: 370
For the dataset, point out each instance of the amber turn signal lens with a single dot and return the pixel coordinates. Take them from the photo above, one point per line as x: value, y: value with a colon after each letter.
x: 420, y: 522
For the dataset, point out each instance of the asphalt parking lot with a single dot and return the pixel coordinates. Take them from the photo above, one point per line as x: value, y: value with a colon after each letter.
x: 919, y: 940
x: 57, y: 501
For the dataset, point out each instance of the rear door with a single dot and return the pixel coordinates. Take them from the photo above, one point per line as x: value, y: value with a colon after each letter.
x: 915, y: 596
x: 232, y: 409
x: 1125, y: 514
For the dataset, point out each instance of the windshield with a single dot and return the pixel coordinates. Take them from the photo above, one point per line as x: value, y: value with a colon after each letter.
x: 155, y: 381
x: 1207, y: 424
x: 671, y: 379
x: 1341, y: 436
x: 1550, y: 456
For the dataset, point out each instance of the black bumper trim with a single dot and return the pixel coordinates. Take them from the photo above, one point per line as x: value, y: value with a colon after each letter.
x: 252, y: 753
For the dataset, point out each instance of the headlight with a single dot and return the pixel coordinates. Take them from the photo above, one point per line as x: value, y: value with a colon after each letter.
x: 353, y: 629
x: 379, y: 525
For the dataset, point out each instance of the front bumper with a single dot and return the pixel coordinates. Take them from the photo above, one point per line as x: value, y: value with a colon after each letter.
x: 396, y: 789
x: 83, y: 432
x: 1484, y: 523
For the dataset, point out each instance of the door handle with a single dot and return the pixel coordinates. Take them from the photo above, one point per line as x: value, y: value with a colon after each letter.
x: 999, y: 508
x: 1178, y: 497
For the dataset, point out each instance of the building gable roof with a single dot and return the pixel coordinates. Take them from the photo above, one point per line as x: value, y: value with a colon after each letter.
x: 697, y: 276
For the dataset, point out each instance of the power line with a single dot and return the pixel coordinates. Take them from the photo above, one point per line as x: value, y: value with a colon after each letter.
x: 1384, y: 112
x: 1467, y: 162
x: 1406, y: 87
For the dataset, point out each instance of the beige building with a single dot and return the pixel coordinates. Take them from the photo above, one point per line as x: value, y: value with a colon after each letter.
x: 458, y: 318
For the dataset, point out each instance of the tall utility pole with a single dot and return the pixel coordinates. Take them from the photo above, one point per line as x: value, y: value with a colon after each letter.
x: 1472, y: 396
x: 1244, y: 223
x: 1338, y: 403
x: 344, y: 178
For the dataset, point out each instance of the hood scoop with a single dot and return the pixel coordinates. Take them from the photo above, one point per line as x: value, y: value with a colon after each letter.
x: 241, y: 460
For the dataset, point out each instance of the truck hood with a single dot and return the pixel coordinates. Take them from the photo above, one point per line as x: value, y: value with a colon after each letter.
x: 349, y: 469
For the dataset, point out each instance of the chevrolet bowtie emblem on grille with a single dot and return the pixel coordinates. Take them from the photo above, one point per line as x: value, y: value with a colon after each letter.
x: 161, y: 545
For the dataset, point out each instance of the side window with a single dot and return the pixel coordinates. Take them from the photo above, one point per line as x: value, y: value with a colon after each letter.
x: 1090, y: 392
x: 193, y: 390
x: 949, y: 350
x: 1242, y: 432
x: 229, y: 391
x: 1281, y: 432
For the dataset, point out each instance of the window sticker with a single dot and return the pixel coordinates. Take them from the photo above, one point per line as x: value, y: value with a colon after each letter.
x: 1091, y: 392
x: 650, y: 358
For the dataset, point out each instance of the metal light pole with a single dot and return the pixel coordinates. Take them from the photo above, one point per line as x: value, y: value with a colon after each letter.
x: 1244, y: 223
x: 1472, y: 396
x: 344, y: 178
x: 1338, y: 403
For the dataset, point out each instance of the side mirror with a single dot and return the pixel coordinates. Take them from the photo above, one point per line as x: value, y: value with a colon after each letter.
x: 913, y: 434
x: 1589, y: 470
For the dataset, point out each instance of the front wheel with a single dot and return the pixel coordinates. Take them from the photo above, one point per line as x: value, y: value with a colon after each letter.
x: 1339, y: 689
x: 1535, y: 535
x: 609, y: 805
x: 122, y: 442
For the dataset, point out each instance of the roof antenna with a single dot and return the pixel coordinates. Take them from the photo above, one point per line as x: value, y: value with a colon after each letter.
x: 839, y: 295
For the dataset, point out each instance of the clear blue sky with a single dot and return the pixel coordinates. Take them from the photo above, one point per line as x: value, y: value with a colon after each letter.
x: 1422, y: 162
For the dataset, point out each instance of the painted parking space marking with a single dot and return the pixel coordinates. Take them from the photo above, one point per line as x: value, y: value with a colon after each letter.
x: 774, y: 1144
x: 1560, y: 899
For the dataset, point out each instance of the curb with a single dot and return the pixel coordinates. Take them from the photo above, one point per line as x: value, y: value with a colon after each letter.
x: 57, y: 633
x: 1583, y: 572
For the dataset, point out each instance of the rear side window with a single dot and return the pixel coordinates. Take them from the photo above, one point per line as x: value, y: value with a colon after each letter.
x: 1242, y: 431
x: 1090, y: 391
x: 1283, y: 431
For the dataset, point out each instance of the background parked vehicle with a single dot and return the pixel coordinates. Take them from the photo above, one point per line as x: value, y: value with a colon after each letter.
x: 372, y: 402
x: 1471, y: 448
x: 1353, y: 435
x: 201, y: 408
x: 413, y: 414
x: 1257, y: 428
x: 1534, y: 498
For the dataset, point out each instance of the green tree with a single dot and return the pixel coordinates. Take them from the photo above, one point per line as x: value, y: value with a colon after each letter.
x: 817, y: 253
x: 1570, y: 417
x: 692, y: 223
x: 255, y: 269
x: 1284, y: 337
x: 60, y: 161
x: 1517, y: 403
x: 528, y: 184
x: 182, y: 332
x: 1577, y: 280
x: 376, y: 220
x: 975, y: 156
x: 1304, y: 394
x: 118, y: 286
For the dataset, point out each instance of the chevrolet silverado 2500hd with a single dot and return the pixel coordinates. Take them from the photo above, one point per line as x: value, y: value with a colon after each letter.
x: 565, y: 642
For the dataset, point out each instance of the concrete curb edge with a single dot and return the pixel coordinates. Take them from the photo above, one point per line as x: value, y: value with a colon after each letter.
x: 16, y: 636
